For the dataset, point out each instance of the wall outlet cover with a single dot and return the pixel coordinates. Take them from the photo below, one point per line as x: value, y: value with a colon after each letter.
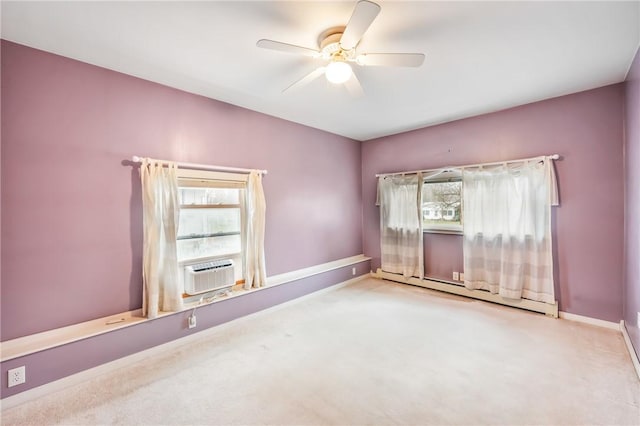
x: 456, y: 276
x: 16, y: 376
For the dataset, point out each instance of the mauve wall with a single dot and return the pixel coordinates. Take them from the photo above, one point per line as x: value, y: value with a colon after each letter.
x: 61, y: 361
x: 632, y: 204
x: 72, y: 220
x: 586, y: 130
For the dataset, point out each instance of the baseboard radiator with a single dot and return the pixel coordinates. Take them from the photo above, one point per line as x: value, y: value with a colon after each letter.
x: 530, y: 305
x: 208, y: 276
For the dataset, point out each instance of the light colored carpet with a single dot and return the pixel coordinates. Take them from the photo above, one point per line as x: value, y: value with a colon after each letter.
x: 373, y: 352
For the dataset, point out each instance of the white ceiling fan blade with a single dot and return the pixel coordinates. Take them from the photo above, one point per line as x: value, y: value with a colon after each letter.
x: 354, y: 87
x: 361, y: 18
x: 306, y: 79
x: 286, y: 47
x: 391, y: 59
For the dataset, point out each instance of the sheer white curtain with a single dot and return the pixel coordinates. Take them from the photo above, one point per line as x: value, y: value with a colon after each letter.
x: 507, y: 229
x: 400, y: 199
x: 161, y: 211
x: 255, y: 271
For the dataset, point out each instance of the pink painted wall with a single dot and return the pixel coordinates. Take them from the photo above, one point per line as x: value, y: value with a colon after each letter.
x: 586, y: 130
x: 71, y: 219
x: 632, y: 203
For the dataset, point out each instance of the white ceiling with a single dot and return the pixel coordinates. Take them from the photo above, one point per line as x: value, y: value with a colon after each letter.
x: 480, y: 56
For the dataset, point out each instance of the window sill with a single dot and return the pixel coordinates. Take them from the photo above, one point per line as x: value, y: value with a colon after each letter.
x: 442, y: 231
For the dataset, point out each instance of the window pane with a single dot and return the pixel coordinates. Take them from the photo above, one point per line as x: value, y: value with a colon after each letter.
x: 208, y: 247
x: 196, y: 196
x: 442, y: 206
x: 203, y: 221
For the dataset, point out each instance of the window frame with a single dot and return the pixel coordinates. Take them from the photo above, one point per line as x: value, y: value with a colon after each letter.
x: 210, y: 179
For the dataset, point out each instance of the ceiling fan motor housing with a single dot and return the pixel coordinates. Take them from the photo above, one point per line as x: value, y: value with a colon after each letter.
x: 329, y: 42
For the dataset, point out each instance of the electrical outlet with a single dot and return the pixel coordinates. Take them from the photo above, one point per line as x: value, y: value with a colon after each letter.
x: 638, y: 323
x: 353, y: 270
x: 192, y: 321
x: 456, y: 276
x: 461, y: 276
x: 16, y: 376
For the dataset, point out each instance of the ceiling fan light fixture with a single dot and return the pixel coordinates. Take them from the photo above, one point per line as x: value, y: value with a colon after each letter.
x: 337, y: 46
x: 338, y: 72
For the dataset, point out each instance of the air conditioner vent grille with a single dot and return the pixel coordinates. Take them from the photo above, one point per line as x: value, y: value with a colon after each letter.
x: 212, y: 265
x: 207, y: 276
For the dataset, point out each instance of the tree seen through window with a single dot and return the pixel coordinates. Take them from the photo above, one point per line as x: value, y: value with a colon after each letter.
x: 442, y: 206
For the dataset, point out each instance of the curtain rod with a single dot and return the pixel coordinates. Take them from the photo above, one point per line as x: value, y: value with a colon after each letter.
x: 197, y: 166
x: 552, y: 156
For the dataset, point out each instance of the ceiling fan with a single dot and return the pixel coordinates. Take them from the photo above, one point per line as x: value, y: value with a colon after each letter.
x: 338, y: 48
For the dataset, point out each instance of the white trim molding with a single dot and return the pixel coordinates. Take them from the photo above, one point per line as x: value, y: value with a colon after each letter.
x: 26, y: 345
x: 632, y: 351
x: 591, y: 321
x: 447, y: 287
x: 315, y: 270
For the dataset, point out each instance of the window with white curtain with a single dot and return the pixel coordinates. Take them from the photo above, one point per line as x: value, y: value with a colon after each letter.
x: 196, y: 221
x: 507, y: 231
x: 401, y: 250
x: 506, y: 208
x: 212, y: 217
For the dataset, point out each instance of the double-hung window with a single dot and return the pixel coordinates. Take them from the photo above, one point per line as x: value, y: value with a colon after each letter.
x: 211, y: 217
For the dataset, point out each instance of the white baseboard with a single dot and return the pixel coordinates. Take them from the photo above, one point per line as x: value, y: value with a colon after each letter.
x: 92, y: 373
x: 448, y: 287
x: 632, y: 352
x: 588, y: 320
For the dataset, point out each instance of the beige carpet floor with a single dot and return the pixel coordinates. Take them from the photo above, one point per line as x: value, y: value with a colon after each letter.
x: 372, y: 352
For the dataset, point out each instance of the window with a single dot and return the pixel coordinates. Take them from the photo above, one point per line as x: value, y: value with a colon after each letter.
x: 210, y: 222
x: 442, y: 205
x: 212, y: 218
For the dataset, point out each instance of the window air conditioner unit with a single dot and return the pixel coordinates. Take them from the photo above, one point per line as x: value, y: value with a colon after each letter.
x: 208, y: 276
